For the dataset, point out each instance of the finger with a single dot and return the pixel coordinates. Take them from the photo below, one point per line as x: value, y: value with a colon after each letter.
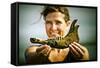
x: 77, y: 49
x: 72, y: 49
x: 45, y: 51
x: 41, y: 48
x: 80, y: 46
x: 73, y: 54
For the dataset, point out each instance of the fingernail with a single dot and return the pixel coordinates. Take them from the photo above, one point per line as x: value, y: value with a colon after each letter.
x: 69, y: 45
x: 74, y: 42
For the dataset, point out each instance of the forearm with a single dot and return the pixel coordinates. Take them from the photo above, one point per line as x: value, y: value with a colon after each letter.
x: 32, y: 57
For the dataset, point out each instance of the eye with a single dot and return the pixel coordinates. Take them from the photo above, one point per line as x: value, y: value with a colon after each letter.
x: 48, y: 22
x: 58, y: 22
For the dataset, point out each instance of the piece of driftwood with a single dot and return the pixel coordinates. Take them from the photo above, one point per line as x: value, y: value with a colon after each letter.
x: 61, y: 42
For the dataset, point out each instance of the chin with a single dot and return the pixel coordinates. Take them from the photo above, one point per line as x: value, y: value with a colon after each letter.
x: 51, y: 37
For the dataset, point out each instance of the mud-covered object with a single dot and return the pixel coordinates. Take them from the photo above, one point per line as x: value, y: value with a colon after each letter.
x: 61, y: 42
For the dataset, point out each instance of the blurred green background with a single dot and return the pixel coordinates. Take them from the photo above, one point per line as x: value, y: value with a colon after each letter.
x: 31, y: 24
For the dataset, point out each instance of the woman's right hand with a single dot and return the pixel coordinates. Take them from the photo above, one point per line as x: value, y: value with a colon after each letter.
x: 43, y: 50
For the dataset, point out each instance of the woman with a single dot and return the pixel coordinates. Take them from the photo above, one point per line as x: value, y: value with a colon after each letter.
x: 57, y: 20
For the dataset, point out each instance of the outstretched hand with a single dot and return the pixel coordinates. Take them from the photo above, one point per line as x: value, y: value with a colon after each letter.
x: 43, y: 50
x: 78, y: 51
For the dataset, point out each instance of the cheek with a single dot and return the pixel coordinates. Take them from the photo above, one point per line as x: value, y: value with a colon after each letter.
x: 47, y: 28
x: 62, y: 29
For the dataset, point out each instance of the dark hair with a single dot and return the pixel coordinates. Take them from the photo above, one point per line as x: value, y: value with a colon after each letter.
x: 50, y: 9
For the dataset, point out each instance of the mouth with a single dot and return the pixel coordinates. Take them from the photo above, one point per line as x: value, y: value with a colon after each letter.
x: 54, y: 35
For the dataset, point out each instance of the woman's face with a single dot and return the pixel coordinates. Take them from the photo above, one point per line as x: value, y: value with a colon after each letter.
x: 55, y: 24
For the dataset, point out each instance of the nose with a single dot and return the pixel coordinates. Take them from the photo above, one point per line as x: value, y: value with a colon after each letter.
x: 54, y: 27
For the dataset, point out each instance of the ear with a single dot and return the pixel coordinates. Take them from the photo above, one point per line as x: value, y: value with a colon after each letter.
x: 68, y: 23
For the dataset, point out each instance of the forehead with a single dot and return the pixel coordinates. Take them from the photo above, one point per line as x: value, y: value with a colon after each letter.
x: 55, y: 15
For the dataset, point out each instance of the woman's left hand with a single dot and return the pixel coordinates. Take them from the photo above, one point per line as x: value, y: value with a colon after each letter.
x: 78, y: 51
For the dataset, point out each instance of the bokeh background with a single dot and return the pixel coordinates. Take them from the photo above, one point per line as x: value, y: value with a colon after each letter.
x: 31, y: 24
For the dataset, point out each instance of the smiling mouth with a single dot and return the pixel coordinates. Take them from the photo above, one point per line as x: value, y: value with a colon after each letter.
x: 54, y: 35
